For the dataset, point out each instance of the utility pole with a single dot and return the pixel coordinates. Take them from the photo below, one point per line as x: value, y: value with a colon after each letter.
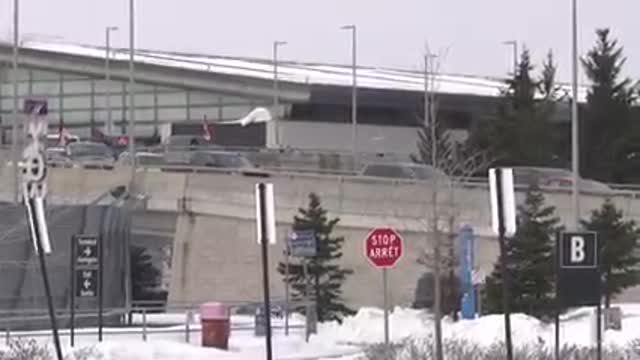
x: 132, y: 103
x: 514, y: 44
x: 107, y: 76
x: 575, y: 153
x: 430, y: 120
x: 276, y: 91
x: 15, y: 150
x: 354, y: 95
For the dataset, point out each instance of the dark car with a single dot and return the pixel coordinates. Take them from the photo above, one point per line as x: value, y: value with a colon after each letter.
x: 401, y: 171
x: 225, y: 161
x: 91, y: 155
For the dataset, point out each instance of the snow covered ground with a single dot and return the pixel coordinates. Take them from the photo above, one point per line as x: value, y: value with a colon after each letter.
x: 335, y: 341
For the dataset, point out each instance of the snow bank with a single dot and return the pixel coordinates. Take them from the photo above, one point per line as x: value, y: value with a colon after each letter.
x: 349, y: 338
x: 367, y: 327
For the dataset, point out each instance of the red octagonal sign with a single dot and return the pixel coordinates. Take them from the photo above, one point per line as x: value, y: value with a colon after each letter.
x: 383, y: 247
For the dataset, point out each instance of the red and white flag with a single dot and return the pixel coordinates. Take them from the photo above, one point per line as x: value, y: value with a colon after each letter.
x: 63, y: 134
x: 207, y: 132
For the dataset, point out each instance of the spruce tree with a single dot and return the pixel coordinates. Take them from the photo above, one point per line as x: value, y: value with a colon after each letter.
x: 530, y: 259
x: 607, y: 121
x: 618, y: 246
x: 520, y: 133
x: 327, y: 276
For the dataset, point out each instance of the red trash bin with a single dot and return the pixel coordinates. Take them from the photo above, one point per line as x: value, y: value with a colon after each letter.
x: 215, y: 319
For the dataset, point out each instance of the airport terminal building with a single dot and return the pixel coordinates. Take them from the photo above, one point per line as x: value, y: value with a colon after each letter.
x: 314, y: 100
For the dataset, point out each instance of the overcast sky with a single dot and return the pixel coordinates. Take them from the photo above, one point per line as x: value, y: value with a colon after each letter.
x: 391, y: 33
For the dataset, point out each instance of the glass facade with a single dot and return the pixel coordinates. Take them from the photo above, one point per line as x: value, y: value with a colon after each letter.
x: 81, y: 102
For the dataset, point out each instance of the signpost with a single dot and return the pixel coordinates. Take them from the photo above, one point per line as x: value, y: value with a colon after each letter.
x: 266, y: 234
x: 578, y: 277
x: 503, y: 216
x: 383, y: 249
x: 86, y: 276
x: 34, y: 192
x: 303, y: 244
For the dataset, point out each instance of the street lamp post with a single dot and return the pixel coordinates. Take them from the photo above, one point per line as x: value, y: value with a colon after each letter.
x: 575, y: 156
x: 132, y: 104
x: 276, y: 91
x: 131, y: 129
x: 107, y: 76
x: 514, y: 44
x: 354, y: 92
x: 14, y: 125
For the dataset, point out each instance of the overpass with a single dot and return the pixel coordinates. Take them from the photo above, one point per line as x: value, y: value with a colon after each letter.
x: 210, y: 217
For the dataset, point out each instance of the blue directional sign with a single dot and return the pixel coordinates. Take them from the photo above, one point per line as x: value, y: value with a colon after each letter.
x: 303, y: 243
x: 467, y: 261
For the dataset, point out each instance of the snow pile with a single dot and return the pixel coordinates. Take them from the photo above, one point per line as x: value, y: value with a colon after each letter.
x: 366, y: 327
x: 347, y: 340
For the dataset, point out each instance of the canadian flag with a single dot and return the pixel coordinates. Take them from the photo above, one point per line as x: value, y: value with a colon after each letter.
x: 207, y: 132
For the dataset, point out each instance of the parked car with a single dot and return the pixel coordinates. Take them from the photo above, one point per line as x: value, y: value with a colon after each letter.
x: 91, y: 155
x: 143, y: 159
x: 53, y: 140
x: 225, y: 161
x: 401, y: 171
x: 554, y: 177
x: 57, y: 158
x: 186, y: 142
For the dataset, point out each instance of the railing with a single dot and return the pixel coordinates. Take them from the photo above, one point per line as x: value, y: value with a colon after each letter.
x: 142, y: 325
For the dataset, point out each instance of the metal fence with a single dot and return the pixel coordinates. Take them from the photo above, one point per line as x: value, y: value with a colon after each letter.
x: 136, y: 321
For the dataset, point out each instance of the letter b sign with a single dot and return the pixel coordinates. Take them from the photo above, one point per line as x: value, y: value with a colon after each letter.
x: 579, y: 250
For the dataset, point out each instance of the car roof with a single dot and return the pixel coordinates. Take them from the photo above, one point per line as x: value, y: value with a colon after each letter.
x: 144, y: 153
x: 218, y: 152
x: 406, y: 164
x: 76, y: 143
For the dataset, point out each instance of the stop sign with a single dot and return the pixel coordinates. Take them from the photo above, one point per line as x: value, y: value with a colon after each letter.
x: 383, y: 247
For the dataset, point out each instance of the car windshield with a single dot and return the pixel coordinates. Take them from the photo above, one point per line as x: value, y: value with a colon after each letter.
x: 98, y: 150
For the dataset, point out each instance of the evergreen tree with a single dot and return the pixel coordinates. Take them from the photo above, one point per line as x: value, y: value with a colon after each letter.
x: 520, y: 134
x: 327, y: 276
x: 618, y: 246
x: 607, y: 122
x: 530, y: 259
x: 144, y: 275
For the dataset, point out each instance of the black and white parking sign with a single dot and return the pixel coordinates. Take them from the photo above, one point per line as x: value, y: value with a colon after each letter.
x: 579, y: 250
x: 578, y: 270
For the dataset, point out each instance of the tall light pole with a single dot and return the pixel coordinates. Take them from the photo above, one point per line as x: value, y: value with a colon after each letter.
x: 132, y: 103
x: 14, y: 125
x: 575, y: 156
x: 354, y: 94
x: 276, y: 91
x: 107, y: 76
x: 514, y: 44
x: 131, y: 131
